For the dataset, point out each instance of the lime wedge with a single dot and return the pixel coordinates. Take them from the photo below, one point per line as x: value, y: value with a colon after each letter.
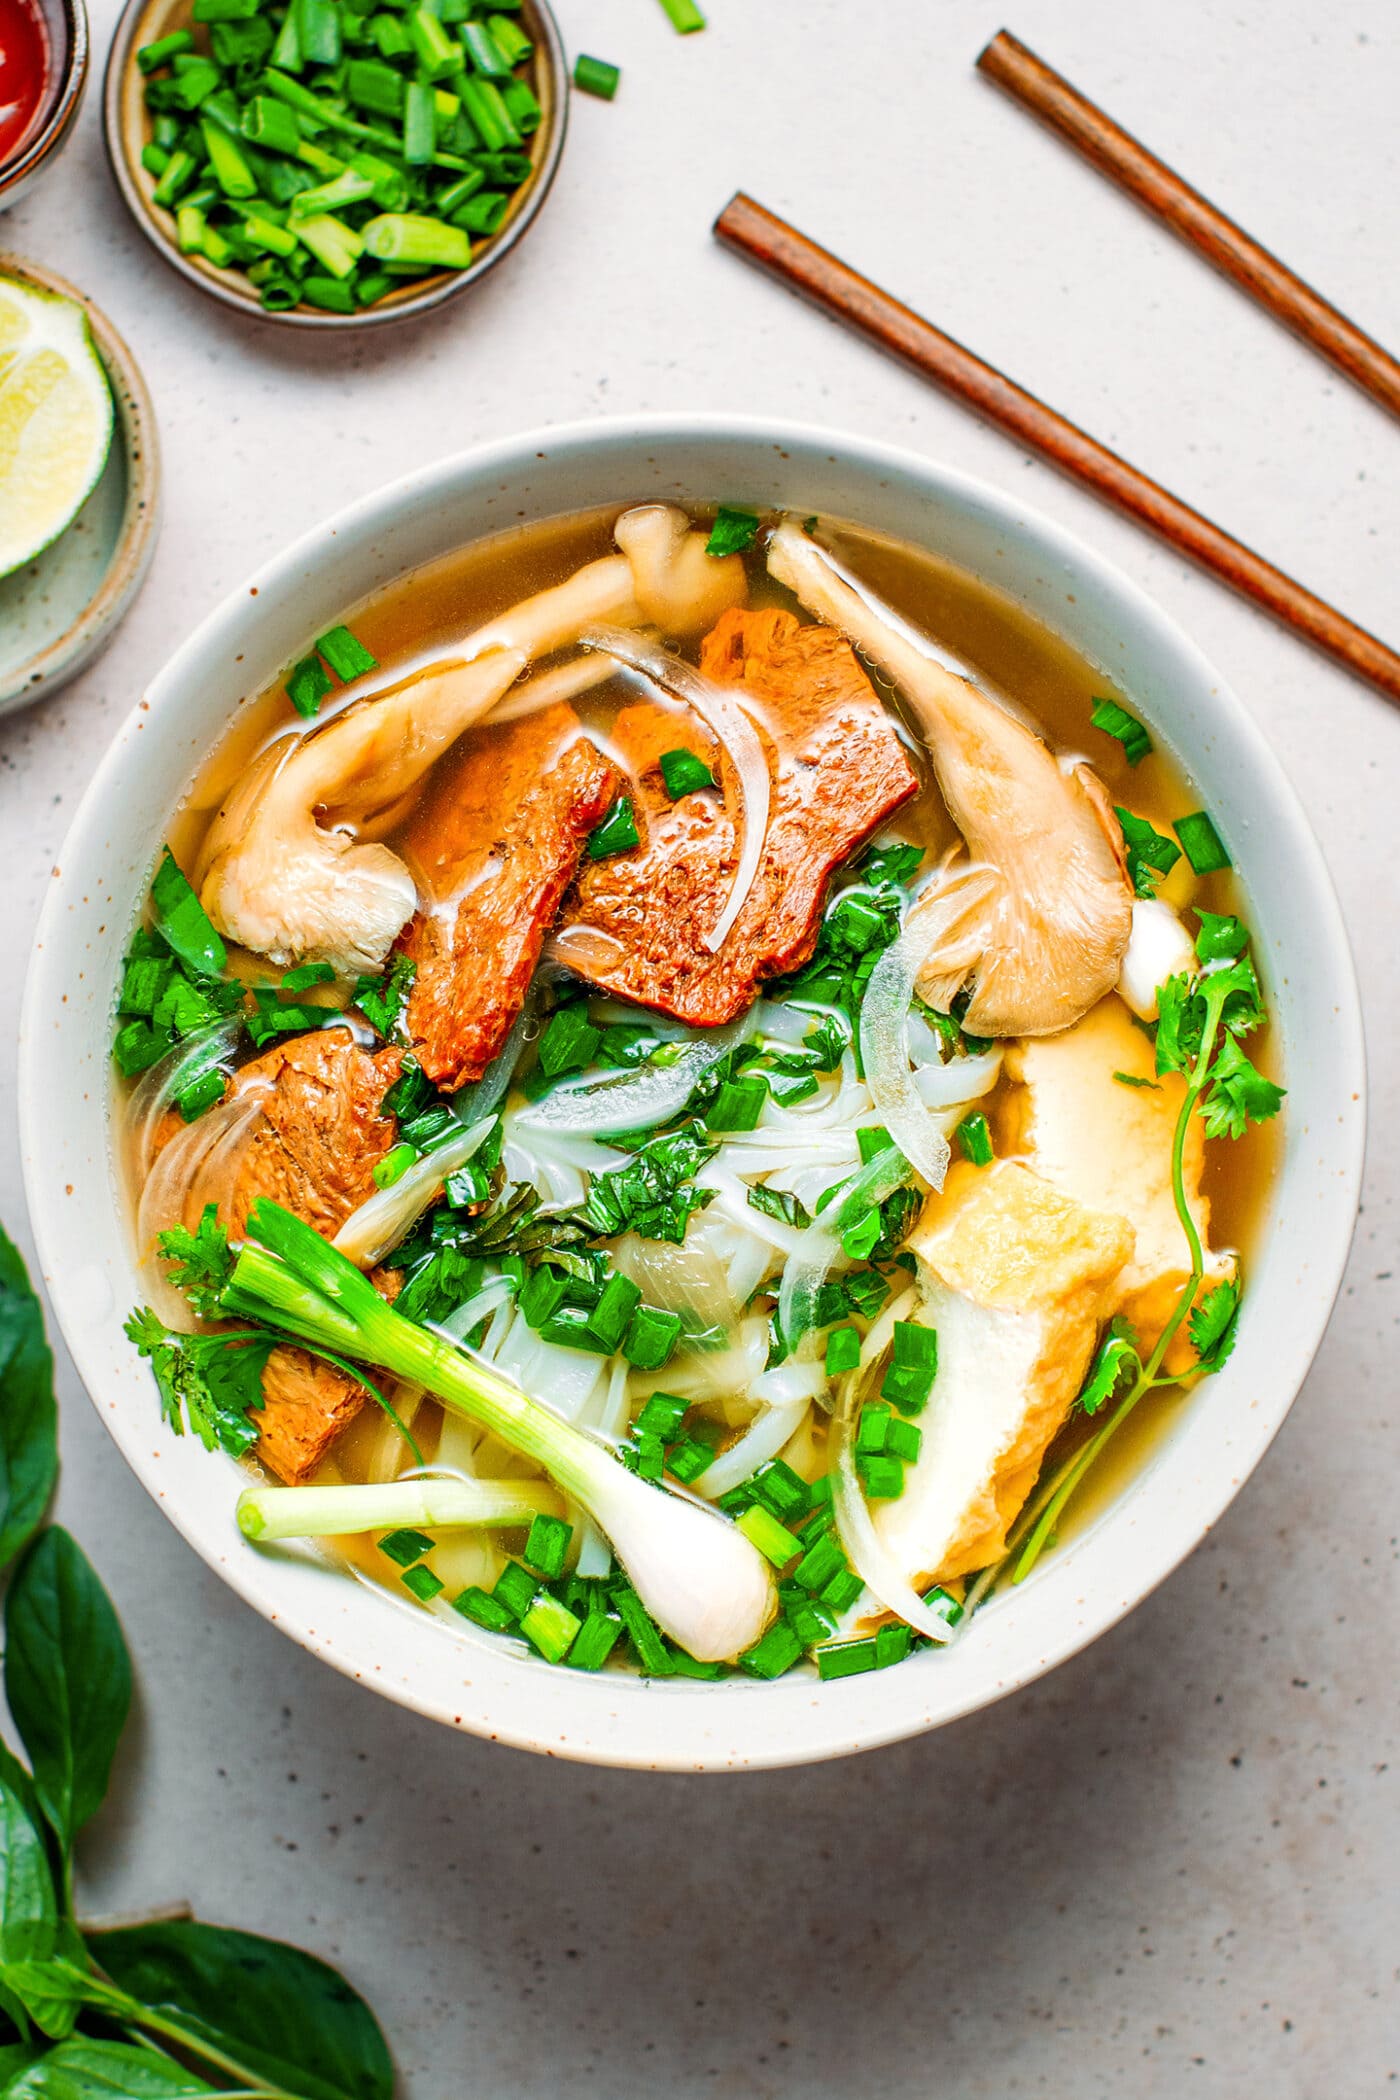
x: 56, y: 419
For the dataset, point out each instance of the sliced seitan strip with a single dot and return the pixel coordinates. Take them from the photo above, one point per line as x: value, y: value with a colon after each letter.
x: 1016, y: 1278
x: 313, y: 1149
x: 493, y: 846
x: 635, y: 923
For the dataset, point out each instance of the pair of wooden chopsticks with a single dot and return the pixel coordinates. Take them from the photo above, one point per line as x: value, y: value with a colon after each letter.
x: 840, y: 291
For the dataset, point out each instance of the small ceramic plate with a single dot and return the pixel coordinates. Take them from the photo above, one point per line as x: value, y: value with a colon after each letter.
x: 57, y: 611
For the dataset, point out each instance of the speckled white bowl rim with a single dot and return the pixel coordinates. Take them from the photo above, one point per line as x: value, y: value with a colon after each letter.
x: 1213, y: 1443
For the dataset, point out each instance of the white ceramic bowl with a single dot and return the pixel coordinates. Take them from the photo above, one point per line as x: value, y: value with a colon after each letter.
x: 1214, y: 1441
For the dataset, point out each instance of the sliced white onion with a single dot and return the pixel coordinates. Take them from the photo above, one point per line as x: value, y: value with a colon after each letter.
x: 497, y: 1291
x: 376, y: 1227
x: 762, y: 1440
x: 154, y: 1093
x: 630, y: 1100
x: 192, y: 1170
x: 719, y: 708
x: 471, y: 1103
x: 855, y: 1528
x: 884, y: 1046
x: 819, y: 1247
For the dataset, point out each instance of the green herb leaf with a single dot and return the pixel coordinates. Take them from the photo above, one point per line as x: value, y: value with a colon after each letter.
x: 1213, y: 1324
x: 1221, y: 937
x: 780, y: 1204
x: 733, y: 531
x: 1150, y: 853
x: 382, y: 998
x: 684, y: 773
x: 1137, y: 1079
x: 283, y: 2014
x: 346, y: 654
x: 28, y: 1453
x: 67, y: 1678
x: 183, y: 923
x: 1239, y: 1093
x: 208, y: 1382
x: 201, y: 1263
x: 1202, y: 843
x: 1115, y: 721
x: 81, y: 2069
x: 617, y: 833
x: 1116, y: 1358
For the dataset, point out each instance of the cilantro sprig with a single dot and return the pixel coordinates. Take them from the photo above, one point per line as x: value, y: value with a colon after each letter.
x: 1202, y: 1016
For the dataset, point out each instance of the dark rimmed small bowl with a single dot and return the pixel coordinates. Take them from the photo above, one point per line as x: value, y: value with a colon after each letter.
x: 65, y: 24
x: 127, y: 125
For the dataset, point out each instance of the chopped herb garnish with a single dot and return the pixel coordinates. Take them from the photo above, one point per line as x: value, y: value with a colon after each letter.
x: 547, y: 1546
x: 308, y: 683
x: 1201, y: 843
x: 305, y: 975
x: 1213, y: 1324
x: 208, y: 1382
x: 347, y: 656
x: 595, y: 1641
x: 772, y: 1538
x: 422, y: 1583
x: 1150, y: 854
x: 483, y: 1609
x: 595, y: 76
x: 778, y: 1650
x: 569, y: 1041
x: 976, y: 1139
x: 1115, y: 721
x: 684, y: 773
x: 383, y: 997
x: 182, y: 922
x: 683, y: 15
x: 1137, y: 1079
x: 738, y: 1104
x: 406, y: 1546
x: 913, y: 1366
x: 651, y: 1338
x: 617, y: 833
x: 1221, y: 937
x: 733, y: 531
x: 201, y: 1262
x: 550, y: 1627
x: 780, y: 1204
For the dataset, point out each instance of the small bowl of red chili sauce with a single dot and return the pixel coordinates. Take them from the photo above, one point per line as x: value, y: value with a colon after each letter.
x: 43, y: 71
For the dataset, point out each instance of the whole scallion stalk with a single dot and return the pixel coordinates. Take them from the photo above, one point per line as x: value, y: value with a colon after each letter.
x: 696, y: 1573
x: 425, y: 1504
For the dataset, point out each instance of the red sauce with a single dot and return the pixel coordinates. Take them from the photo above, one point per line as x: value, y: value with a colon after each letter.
x: 25, y: 60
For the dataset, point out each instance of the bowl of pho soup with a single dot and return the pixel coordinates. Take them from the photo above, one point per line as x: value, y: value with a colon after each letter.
x: 715, y: 1089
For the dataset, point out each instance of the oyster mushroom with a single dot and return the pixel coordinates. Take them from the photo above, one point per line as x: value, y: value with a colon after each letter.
x: 1041, y: 930
x: 287, y: 869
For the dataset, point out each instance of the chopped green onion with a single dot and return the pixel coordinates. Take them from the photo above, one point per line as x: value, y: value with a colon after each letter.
x: 773, y: 1540
x: 318, y: 31
x: 842, y: 1590
x: 595, y: 76
x: 642, y: 1630
x: 515, y: 1589
x: 437, y: 54
x: 405, y: 1547
x: 683, y: 15
x: 183, y: 923
x: 1115, y: 721
x: 394, y: 1165
x: 913, y: 1367
x: 550, y: 1627
x: 179, y: 171
x: 976, y: 1139
x: 842, y: 1351
x: 881, y: 1477
x: 688, y: 1458
x: 662, y: 1416
x: 189, y: 229
x: 163, y: 50
x: 231, y: 169
x: 547, y: 1546
x: 947, y: 1606
x: 374, y: 86
x: 778, y: 1650
x: 845, y: 1659
x: 684, y: 773
x: 333, y: 243
x: 268, y: 122
x: 733, y: 531
x: 423, y: 1583
x: 651, y: 1338
x: 595, y: 1641
x: 738, y: 1104
x: 616, y: 834
x: 482, y: 1609
x: 822, y: 1560
x: 347, y: 656
x: 484, y: 52
x: 511, y: 39
x: 1202, y: 843
x: 780, y: 1489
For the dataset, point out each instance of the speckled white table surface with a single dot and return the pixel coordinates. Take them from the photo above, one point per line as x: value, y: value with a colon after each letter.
x: 1170, y: 1868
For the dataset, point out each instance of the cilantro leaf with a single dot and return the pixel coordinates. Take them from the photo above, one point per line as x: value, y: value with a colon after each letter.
x: 1213, y: 1324
x: 1149, y: 854
x: 1221, y: 937
x: 1239, y: 1093
x: 201, y: 1263
x: 382, y: 997
x: 1117, y: 1357
x: 208, y: 1382
x: 1180, y: 1021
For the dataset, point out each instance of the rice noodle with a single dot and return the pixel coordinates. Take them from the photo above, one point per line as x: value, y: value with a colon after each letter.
x: 376, y: 1227
x: 855, y: 1528
x: 587, y: 1105
x: 719, y: 708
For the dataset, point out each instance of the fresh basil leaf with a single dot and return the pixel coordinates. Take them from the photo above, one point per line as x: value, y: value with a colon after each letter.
x: 91, y: 2070
x: 35, y: 1941
x: 14, y: 2058
x: 67, y: 1678
x: 28, y: 1451
x: 280, y: 2012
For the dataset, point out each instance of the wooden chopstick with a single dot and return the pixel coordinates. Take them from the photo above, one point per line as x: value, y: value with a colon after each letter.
x: 830, y: 284
x: 1117, y: 154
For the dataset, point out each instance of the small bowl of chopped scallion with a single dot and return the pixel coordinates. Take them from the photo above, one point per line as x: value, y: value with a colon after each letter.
x: 335, y: 163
